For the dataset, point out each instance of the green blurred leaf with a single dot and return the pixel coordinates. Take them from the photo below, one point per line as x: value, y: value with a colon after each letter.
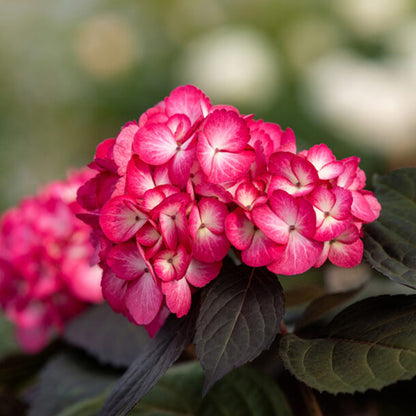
x: 322, y: 306
x: 243, y: 392
x: 390, y: 241
x: 153, y: 362
x: 8, y: 342
x: 114, y: 340
x: 67, y: 379
x: 240, y: 317
x: 178, y: 392
x: 87, y: 407
x: 369, y: 345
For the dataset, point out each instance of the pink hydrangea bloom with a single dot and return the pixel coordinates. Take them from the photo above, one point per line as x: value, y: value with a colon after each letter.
x: 45, y: 276
x: 175, y: 190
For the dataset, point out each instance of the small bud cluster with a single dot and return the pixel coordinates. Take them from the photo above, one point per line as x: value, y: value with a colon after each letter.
x: 45, y: 276
x: 175, y: 190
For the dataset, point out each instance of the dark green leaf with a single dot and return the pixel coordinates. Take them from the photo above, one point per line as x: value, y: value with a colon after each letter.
x: 390, y: 241
x: 159, y: 354
x: 369, y: 345
x: 107, y: 335
x: 178, y: 392
x: 243, y: 392
x: 322, y: 306
x: 239, y: 318
x: 68, y: 379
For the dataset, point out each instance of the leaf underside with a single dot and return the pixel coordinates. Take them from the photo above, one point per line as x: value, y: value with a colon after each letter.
x: 152, y: 363
x: 390, y: 241
x: 369, y: 345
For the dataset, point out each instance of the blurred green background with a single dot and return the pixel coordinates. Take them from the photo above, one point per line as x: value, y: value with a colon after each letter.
x: 73, y: 72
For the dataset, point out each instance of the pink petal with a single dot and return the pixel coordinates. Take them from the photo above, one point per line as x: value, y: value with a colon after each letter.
x: 151, y: 240
x: 123, y: 146
x: 139, y: 177
x: 114, y: 290
x: 280, y: 183
x: 156, y: 114
x: 163, y: 265
x: 213, y: 214
x: 301, y: 176
x: 262, y: 251
x: 342, y: 207
x: 209, y: 247
x: 171, y: 264
x: 305, y: 219
x: 143, y: 299
x: 125, y: 261
x: 320, y: 155
x: 239, y: 229
x: 155, y: 144
x: 323, y: 256
x: 188, y: 100
x: 226, y: 166
x: 331, y: 171
x: 225, y: 130
x: 148, y: 235
x: 285, y: 206
x: 346, y: 255
x: 213, y: 190
x: 329, y: 227
x: 287, y: 141
x: 172, y: 220
x: 246, y: 195
x: 261, y: 140
x: 350, y: 235
x: 179, y: 125
x: 178, y: 296
x: 323, y: 199
x: 180, y: 164
x: 200, y: 274
x: 363, y: 206
x: 121, y: 218
x: 300, y: 254
x: 152, y: 198
x: 103, y: 159
x: 272, y: 225
x: 347, y: 177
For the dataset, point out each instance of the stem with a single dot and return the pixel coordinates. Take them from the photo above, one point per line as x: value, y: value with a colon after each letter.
x: 310, y: 400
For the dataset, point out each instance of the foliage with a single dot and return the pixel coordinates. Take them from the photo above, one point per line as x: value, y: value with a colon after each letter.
x: 234, y: 321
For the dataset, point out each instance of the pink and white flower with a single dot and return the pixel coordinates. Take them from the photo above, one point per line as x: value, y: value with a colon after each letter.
x: 188, y: 181
x: 45, y: 276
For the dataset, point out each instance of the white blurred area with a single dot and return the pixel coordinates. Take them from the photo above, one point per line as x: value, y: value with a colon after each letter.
x: 370, y: 18
x: 308, y: 38
x: 106, y: 46
x: 373, y: 104
x: 232, y: 65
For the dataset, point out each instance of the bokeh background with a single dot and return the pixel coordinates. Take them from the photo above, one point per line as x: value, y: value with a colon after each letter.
x: 72, y: 72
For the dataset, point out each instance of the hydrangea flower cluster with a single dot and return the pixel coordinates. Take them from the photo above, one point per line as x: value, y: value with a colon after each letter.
x: 175, y: 190
x: 45, y: 276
